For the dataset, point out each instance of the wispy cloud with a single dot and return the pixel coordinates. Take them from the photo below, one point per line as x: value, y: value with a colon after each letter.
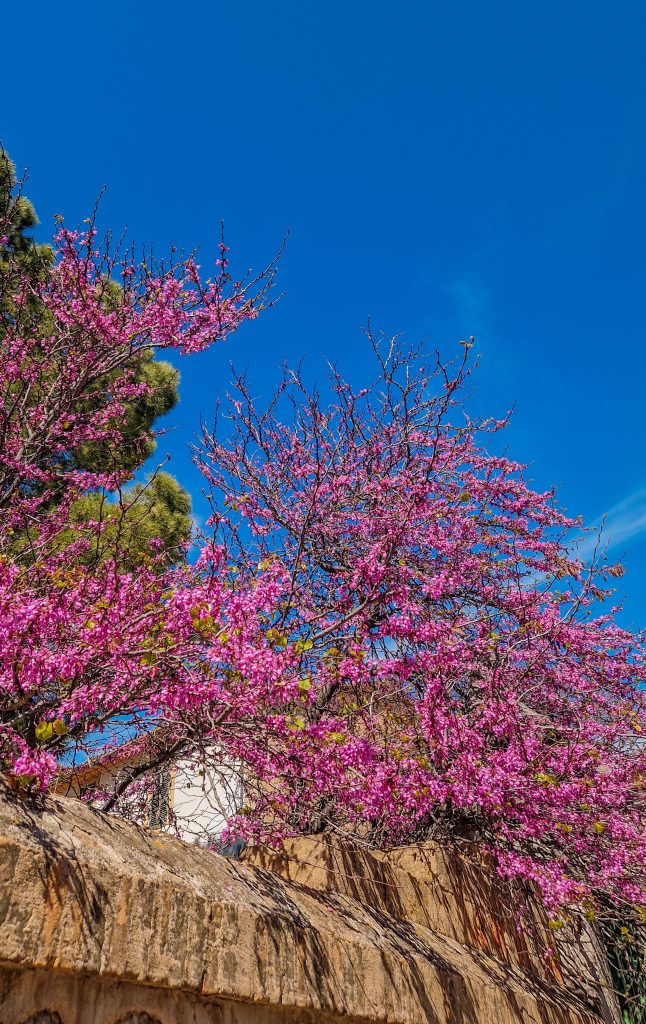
x: 471, y: 300
x: 621, y: 523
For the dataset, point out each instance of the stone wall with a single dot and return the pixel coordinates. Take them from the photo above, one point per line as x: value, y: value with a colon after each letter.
x: 103, y: 922
x: 456, y: 897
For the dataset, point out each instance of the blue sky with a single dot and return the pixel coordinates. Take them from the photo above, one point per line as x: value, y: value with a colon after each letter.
x: 446, y: 169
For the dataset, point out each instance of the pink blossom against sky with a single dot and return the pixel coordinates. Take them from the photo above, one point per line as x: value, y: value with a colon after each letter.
x: 446, y: 170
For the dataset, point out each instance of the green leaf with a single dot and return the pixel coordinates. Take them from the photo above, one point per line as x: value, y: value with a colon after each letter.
x: 44, y: 731
x: 545, y: 779
x: 303, y: 645
x: 276, y: 637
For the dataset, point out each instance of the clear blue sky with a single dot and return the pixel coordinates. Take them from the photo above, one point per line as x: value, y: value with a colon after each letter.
x: 446, y: 169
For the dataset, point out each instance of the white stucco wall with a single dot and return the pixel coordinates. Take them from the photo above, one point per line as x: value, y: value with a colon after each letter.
x: 204, y: 797
x: 201, y: 796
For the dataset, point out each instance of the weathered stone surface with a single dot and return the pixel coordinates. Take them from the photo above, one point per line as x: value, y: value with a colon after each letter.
x: 456, y: 897
x: 79, y: 999
x: 95, y: 911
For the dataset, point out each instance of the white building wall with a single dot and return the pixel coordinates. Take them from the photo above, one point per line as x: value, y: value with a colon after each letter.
x: 203, y: 798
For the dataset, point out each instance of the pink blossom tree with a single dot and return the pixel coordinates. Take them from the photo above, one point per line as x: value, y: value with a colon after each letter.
x: 77, y: 621
x: 388, y: 629
x: 401, y: 643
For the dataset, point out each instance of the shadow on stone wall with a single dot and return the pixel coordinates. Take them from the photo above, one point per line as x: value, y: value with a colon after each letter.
x: 103, y: 922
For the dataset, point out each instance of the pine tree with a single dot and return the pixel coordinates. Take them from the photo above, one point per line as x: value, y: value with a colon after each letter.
x: 156, y: 507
